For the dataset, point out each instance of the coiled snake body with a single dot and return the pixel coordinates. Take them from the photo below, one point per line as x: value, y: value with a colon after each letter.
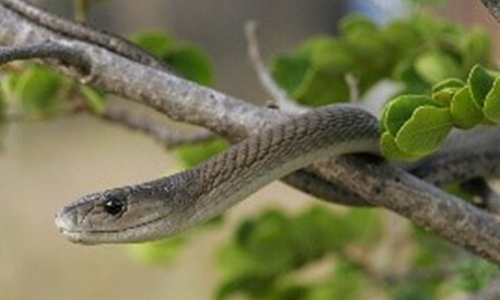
x: 165, y: 206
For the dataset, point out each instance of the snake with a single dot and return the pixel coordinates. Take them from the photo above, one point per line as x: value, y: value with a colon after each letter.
x: 169, y: 205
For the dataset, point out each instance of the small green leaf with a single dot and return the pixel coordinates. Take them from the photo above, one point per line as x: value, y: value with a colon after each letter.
x: 391, y: 150
x: 356, y: 25
x: 475, y: 275
x: 289, y: 72
x: 192, y: 155
x: 157, y: 43
x: 37, y: 88
x: 444, y: 96
x: 434, y: 67
x: 95, y: 99
x: 448, y: 83
x: 480, y: 83
x: 425, y: 130
x: 158, y: 253
x: 476, y: 47
x: 401, y: 109
x: 464, y: 111
x: 492, y: 103
x: 191, y: 62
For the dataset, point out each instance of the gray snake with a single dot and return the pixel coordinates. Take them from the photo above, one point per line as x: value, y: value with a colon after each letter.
x: 166, y: 206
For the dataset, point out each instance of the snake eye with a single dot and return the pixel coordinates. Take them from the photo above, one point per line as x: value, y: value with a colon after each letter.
x: 114, y: 206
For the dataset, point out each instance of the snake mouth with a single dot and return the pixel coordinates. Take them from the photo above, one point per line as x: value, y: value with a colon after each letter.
x: 131, y: 234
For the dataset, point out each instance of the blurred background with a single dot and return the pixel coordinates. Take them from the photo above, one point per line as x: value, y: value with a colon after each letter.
x: 45, y: 165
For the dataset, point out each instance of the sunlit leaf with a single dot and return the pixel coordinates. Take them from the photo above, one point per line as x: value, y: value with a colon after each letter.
x: 425, y: 130
x: 464, y: 110
x: 492, y: 103
x: 192, y: 155
x: 158, y: 253
x: 192, y: 63
x: 480, y: 82
x: 37, y: 88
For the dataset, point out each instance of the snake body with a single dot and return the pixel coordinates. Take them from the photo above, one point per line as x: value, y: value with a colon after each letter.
x: 168, y: 205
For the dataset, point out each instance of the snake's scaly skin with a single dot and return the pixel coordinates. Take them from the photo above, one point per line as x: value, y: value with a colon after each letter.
x: 165, y: 206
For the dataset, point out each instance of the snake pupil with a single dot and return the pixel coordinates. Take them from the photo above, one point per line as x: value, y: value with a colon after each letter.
x: 114, y: 206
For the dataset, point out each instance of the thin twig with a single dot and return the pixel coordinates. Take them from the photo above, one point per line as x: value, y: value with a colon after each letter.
x: 81, y: 10
x: 167, y: 136
x: 279, y: 96
x: 353, y: 84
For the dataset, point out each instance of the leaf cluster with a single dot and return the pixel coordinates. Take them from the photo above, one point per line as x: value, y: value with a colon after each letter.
x: 416, y: 125
x: 268, y: 252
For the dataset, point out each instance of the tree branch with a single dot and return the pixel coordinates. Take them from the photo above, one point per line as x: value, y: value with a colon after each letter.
x: 279, y: 96
x: 167, y: 136
x: 72, y: 57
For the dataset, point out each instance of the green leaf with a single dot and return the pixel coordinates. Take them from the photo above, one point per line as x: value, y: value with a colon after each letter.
x: 366, y: 234
x: 289, y: 72
x: 400, y: 110
x: 356, y: 25
x: 425, y: 130
x: 480, y: 83
x: 475, y: 275
x: 157, y: 43
x: 348, y: 283
x: 434, y: 67
x: 321, y: 88
x: 37, y: 88
x: 476, y: 47
x: 157, y: 253
x: 191, y: 62
x: 391, y: 150
x: 464, y: 110
x: 448, y: 83
x: 444, y: 91
x: 492, y: 103
x: 254, y: 285
x: 192, y: 155
x: 96, y: 100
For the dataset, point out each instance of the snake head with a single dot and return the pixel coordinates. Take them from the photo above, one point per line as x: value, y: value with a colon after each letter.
x: 121, y: 215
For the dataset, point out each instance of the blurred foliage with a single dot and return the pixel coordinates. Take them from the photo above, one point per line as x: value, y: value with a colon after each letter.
x: 266, y: 250
x: 270, y: 255
x: 191, y: 155
x: 417, y: 52
x: 185, y: 59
